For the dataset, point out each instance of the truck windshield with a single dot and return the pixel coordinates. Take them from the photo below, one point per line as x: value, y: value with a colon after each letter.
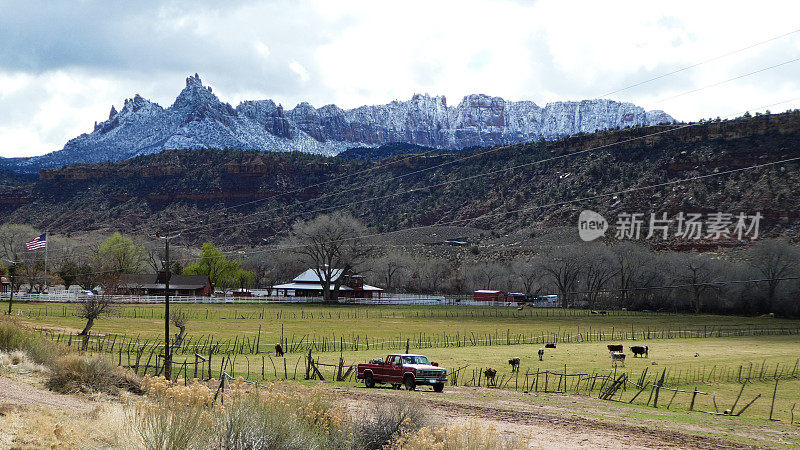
x: 415, y: 360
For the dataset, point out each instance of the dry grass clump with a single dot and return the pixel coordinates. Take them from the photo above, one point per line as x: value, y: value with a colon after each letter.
x: 91, y: 374
x: 18, y: 361
x: 474, y: 435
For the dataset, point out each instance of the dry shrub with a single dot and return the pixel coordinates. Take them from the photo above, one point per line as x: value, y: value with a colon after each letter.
x: 38, y: 349
x: 386, y: 421
x: 177, y: 417
x: 474, y: 435
x: 91, y: 374
x: 18, y: 361
x: 273, y: 418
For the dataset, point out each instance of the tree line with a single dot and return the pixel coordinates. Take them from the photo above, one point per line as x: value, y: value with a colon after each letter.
x: 761, y: 278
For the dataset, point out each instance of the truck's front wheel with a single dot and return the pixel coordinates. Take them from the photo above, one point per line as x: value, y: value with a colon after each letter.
x: 369, y: 381
x: 438, y: 387
x: 409, y: 383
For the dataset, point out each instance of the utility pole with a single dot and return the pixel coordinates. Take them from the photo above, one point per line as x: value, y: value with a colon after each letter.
x: 167, y: 272
x: 12, y: 269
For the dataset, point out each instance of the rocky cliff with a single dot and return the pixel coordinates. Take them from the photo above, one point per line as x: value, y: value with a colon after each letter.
x: 198, y: 119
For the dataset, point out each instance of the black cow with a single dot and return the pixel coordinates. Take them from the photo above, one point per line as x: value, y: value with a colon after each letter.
x: 552, y: 345
x: 278, y: 350
x: 514, y: 364
x: 639, y: 350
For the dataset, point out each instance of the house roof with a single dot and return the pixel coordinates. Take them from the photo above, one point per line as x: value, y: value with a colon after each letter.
x: 318, y: 287
x: 310, y: 276
x: 488, y: 291
x: 156, y: 281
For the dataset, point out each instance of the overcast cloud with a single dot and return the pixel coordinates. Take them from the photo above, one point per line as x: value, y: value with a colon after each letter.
x: 63, y: 64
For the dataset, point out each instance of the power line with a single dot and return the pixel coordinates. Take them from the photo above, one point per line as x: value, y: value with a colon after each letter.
x: 692, y: 66
x: 728, y: 80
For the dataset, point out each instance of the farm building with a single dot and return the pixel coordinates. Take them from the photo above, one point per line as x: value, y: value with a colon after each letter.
x: 308, y: 284
x: 5, y: 285
x: 153, y: 284
x: 489, y: 295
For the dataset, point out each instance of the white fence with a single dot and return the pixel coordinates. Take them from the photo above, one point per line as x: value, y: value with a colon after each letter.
x: 387, y: 299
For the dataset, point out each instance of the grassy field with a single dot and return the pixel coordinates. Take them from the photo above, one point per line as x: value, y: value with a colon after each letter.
x: 729, y: 348
x: 382, y: 323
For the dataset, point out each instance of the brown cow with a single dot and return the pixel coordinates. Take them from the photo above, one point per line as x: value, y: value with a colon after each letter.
x: 615, y: 348
x: 490, y: 375
x: 278, y: 350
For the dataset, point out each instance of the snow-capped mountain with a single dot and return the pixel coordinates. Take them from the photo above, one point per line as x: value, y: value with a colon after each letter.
x: 198, y: 119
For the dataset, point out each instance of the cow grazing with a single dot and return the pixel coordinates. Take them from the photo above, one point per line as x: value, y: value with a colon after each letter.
x: 551, y: 345
x: 541, y: 354
x: 615, y: 348
x: 639, y: 350
x: 490, y: 375
x: 618, y: 357
x: 514, y: 364
x: 278, y: 350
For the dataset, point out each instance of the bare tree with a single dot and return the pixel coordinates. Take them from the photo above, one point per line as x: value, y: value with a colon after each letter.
x: 562, y: 266
x: 484, y: 275
x: 529, y: 275
x: 630, y: 262
x: 428, y: 275
x: 333, y: 245
x: 93, y: 308
x: 598, y: 271
x: 12, y: 240
x: 697, y: 275
x: 776, y: 260
x: 390, y: 269
x: 180, y: 321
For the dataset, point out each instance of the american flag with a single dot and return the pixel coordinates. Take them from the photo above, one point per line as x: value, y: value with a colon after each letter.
x: 37, y: 242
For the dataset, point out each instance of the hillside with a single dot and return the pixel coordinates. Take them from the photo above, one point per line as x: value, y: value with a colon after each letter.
x: 199, y: 120
x: 139, y: 194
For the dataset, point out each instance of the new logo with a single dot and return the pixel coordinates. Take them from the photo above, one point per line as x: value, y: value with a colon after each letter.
x: 591, y: 225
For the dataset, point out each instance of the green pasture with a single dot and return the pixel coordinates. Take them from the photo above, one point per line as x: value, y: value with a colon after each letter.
x: 383, y: 323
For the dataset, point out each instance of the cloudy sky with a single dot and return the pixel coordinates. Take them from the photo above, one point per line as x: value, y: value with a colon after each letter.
x: 63, y: 64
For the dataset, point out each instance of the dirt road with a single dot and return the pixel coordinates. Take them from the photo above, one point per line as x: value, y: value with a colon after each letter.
x: 566, y: 424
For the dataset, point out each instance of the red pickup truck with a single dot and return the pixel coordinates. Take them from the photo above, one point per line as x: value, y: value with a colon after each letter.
x: 403, y: 370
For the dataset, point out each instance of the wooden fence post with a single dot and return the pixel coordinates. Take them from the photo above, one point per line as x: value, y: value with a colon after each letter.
x: 774, y: 391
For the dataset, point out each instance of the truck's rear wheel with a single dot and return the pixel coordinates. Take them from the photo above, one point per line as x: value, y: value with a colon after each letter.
x: 409, y: 383
x: 438, y: 387
x: 369, y: 381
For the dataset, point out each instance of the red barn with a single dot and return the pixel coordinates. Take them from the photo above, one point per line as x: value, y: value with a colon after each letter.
x: 487, y: 295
